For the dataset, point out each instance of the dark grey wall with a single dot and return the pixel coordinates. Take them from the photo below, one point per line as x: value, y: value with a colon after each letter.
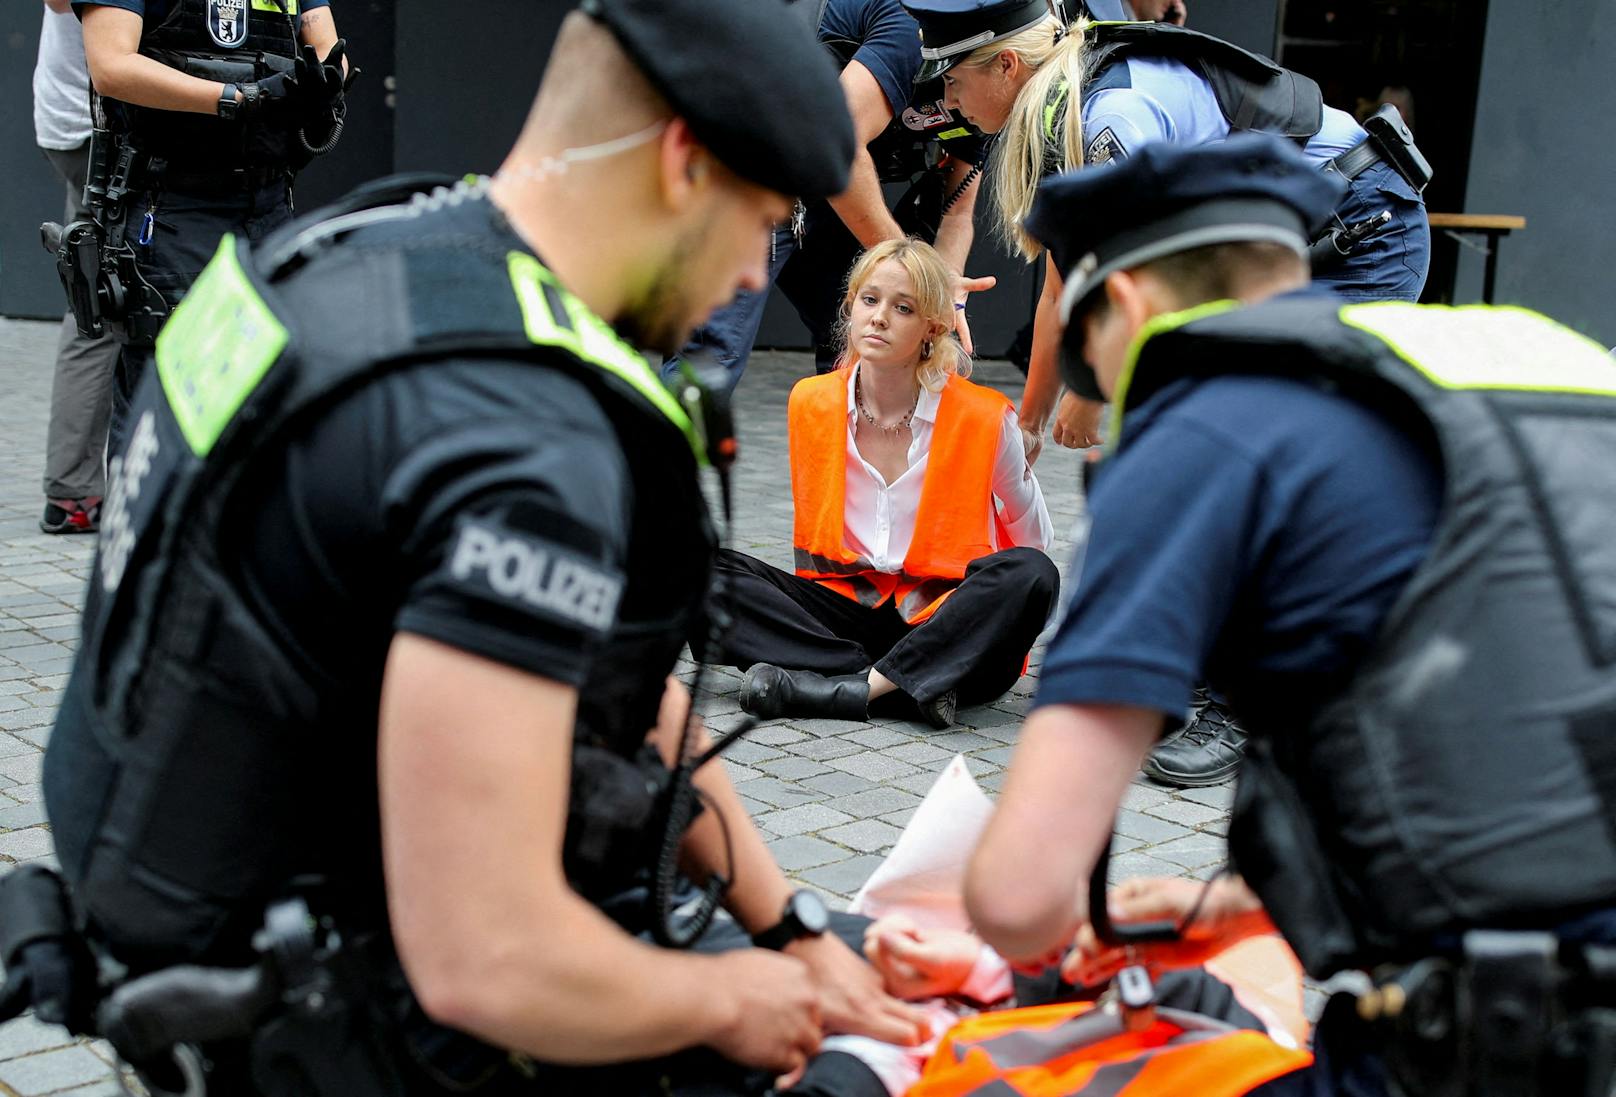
x: 1253, y: 24
x: 29, y: 191
x: 1545, y: 148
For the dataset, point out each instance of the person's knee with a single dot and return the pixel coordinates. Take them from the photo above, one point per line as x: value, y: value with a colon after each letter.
x: 1034, y: 572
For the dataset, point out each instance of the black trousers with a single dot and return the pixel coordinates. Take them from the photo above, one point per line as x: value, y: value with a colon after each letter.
x: 180, y: 239
x: 974, y: 644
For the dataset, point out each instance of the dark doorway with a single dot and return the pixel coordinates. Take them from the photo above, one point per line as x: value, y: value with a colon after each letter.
x: 1423, y: 55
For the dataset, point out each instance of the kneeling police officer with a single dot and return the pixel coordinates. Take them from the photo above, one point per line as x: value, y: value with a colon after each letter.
x: 403, y: 542
x: 1384, y: 531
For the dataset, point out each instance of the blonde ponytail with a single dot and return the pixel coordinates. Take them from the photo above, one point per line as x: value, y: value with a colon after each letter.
x: 1019, y: 154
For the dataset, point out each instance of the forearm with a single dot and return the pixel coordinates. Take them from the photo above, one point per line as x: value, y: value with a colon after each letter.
x: 1043, y: 364
x: 758, y: 889
x: 957, y: 230
x: 862, y: 207
x: 133, y: 78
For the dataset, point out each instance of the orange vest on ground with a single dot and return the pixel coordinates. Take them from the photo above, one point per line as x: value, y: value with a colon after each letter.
x: 957, y: 519
x: 1051, y: 1051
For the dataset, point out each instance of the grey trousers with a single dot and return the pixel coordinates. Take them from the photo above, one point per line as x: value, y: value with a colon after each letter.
x: 81, y: 393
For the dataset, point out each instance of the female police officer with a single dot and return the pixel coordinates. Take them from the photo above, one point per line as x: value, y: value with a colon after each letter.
x: 404, y: 526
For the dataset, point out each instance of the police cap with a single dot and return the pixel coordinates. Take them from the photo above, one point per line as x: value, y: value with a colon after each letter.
x: 750, y: 79
x: 951, y: 29
x: 1168, y: 198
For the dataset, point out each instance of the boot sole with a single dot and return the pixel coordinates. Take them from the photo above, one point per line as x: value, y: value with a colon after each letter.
x: 1189, y: 780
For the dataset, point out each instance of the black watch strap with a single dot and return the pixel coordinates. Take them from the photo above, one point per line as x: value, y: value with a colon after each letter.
x: 229, y: 109
x: 805, y: 916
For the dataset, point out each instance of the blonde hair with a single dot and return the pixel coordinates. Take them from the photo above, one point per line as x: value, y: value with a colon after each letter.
x: 1019, y: 154
x: 933, y: 285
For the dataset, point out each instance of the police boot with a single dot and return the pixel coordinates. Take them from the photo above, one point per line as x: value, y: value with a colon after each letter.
x: 1206, y: 752
x: 769, y: 692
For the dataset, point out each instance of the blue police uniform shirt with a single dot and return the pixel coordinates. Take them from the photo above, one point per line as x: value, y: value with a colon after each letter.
x: 888, y: 43
x: 1159, y: 99
x: 156, y: 10
x: 1252, y: 532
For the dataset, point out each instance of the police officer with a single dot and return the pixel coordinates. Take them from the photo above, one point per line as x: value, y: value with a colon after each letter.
x: 1372, y: 526
x: 210, y: 107
x: 906, y: 135
x: 404, y: 532
x: 1060, y: 97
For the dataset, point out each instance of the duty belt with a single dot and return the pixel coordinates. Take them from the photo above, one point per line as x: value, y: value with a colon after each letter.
x: 1363, y: 156
x: 156, y: 174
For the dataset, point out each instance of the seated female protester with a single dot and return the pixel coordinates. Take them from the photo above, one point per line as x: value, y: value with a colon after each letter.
x: 920, y: 531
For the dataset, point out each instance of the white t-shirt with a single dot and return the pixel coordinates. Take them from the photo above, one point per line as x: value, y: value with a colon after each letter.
x: 879, y: 518
x: 61, y: 84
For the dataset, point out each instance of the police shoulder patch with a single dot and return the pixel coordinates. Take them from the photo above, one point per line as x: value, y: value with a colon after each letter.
x: 1104, y: 148
x: 495, y: 563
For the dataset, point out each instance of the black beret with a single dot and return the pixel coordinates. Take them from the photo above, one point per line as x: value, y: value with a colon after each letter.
x: 751, y: 80
x: 951, y: 29
x: 1169, y: 198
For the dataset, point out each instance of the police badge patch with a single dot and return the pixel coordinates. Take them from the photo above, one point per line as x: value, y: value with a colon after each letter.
x: 227, y: 22
x: 1104, y: 148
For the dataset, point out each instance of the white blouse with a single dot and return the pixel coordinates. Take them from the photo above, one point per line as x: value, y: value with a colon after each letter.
x: 879, y: 518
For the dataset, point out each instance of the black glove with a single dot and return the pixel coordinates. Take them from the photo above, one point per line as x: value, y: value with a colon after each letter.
x: 276, y: 97
x: 48, y: 966
x: 320, y: 83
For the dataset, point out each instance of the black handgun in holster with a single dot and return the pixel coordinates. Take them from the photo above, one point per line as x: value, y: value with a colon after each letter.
x: 97, y: 269
x: 1395, y: 141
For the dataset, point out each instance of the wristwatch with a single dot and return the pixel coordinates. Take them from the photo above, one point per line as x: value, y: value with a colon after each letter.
x: 229, y: 109
x: 805, y: 916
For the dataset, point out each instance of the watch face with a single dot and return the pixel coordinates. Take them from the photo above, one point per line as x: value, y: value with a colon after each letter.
x: 809, y: 910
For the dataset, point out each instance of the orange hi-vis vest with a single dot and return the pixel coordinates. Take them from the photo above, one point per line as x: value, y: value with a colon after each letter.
x: 957, y: 518
x: 1074, y: 1050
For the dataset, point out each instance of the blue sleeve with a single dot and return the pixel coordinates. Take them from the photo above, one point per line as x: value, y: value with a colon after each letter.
x: 1118, y: 121
x: 888, y: 43
x: 310, y: 5
x: 1169, y: 547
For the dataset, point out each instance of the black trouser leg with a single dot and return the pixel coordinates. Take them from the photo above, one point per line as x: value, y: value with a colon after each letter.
x: 795, y: 623
x: 976, y: 642
x: 814, y: 280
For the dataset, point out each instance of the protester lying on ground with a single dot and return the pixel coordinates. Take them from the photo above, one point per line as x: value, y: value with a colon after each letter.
x: 920, y: 532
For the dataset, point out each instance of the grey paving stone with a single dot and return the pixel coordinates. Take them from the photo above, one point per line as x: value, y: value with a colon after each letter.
x: 24, y: 1036
x: 998, y: 756
x: 775, y: 735
x: 1214, y: 796
x: 924, y: 755
x: 778, y: 793
x: 961, y: 742
x: 802, y: 851
x: 843, y: 877
x: 26, y: 844
x: 50, y: 1071
x: 22, y: 767
x: 750, y: 753
x: 22, y: 815
x: 1148, y: 828
x: 822, y: 749
x: 877, y: 738
x: 1187, y: 812
x: 828, y: 727
x: 839, y: 784
x: 1130, y: 865
x: 25, y: 794
x: 791, y: 767
x: 873, y: 802
x: 899, y: 819
x: 874, y: 766
x: 1141, y: 796
x: 1192, y: 851
x: 800, y: 820
x: 865, y: 835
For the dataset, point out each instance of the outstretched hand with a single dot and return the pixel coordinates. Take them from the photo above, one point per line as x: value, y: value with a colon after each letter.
x: 851, y: 999
x: 920, y: 963
x: 1228, y: 913
x: 964, y: 286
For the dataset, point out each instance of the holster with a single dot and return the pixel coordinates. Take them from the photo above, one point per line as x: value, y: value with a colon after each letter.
x: 613, y: 819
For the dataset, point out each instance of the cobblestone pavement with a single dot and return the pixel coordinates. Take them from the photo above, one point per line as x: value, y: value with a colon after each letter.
x: 831, y: 796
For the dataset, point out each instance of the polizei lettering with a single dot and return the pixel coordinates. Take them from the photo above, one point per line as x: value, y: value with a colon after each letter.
x: 521, y: 569
x: 227, y: 22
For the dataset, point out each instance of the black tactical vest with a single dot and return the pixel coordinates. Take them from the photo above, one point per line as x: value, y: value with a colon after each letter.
x: 197, y: 765
x: 1465, y: 775
x: 244, y: 40
x: 1252, y: 92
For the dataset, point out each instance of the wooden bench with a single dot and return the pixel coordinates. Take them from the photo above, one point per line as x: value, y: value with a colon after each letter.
x: 1493, y: 226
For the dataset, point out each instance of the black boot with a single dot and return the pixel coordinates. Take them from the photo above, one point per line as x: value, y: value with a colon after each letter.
x: 769, y: 692
x: 1206, y: 752
x: 939, y: 711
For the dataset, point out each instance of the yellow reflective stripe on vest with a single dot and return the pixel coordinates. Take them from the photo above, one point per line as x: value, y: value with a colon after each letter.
x: 289, y: 7
x: 1167, y: 321
x: 216, y: 348
x: 1488, y: 347
x: 588, y: 336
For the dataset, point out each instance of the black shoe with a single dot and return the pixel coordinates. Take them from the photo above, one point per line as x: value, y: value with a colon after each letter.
x: 769, y: 692
x: 1206, y: 752
x: 939, y: 711
x: 71, y: 515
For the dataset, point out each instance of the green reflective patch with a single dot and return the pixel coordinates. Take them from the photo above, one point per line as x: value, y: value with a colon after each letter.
x: 1488, y: 347
x: 216, y: 348
x: 588, y: 336
x: 949, y: 135
x: 1166, y: 321
x: 288, y: 8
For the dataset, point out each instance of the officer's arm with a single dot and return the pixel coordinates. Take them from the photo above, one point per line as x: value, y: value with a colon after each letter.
x: 862, y: 207
x: 112, y: 48
x: 1026, y: 885
x: 474, y: 771
x: 958, y: 228
x: 317, y: 28
x: 1043, y: 371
